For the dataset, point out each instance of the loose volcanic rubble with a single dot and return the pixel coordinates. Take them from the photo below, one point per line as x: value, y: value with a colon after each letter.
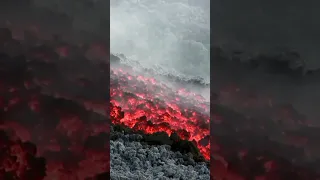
x: 140, y: 156
x: 253, y: 137
x: 53, y: 110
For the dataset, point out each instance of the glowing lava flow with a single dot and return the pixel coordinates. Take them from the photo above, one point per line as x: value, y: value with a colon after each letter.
x: 153, y: 107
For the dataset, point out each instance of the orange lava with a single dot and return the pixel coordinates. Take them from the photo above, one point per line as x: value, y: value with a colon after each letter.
x: 154, y: 107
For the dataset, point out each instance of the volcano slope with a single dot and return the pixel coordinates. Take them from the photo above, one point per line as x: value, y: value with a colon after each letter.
x: 172, y: 126
x: 54, y: 122
x: 54, y: 115
x: 253, y: 134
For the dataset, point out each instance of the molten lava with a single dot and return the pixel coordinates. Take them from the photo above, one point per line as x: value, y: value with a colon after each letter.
x: 152, y: 107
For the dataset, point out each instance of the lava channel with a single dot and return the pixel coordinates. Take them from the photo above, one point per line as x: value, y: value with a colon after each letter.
x: 151, y: 106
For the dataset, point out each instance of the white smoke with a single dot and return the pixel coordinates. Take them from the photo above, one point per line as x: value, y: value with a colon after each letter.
x: 173, y: 35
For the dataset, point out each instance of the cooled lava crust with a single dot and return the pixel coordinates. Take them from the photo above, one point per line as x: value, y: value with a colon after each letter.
x: 253, y: 137
x: 144, y: 104
x: 53, y: 99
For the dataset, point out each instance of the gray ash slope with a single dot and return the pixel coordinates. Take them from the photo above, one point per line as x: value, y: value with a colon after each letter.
x: 133, y: 159
x: 167, y: 37
x: 121, y: 60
